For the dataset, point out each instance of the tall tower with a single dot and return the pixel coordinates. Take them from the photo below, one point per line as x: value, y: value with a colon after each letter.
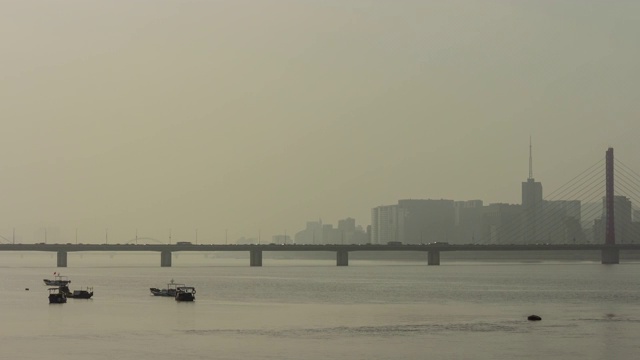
x: 531, y: 203
x: 610, y: 237
x: 610, y: 255
x: 531, y: 190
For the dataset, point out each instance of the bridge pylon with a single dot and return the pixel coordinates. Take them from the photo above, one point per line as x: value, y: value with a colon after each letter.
x: 610, y: 255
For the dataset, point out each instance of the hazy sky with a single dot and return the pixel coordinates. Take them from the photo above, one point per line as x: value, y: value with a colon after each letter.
x: 257, y: 116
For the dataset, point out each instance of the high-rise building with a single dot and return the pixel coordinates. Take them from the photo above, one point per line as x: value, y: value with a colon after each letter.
x: 531, y: 205
x: 531, y: 193
x: 622, y: 210
x: 347, y: 225
x: 384, y: 224
x: 560, y: 222
x: 624, y: 227
x: 501, y: 224
x: 426, y: 221
x: 312, y: 234
x: 467, y: 221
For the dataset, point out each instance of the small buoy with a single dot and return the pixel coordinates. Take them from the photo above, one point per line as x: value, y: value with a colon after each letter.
x: 26, y: 289
x: 534, y: 318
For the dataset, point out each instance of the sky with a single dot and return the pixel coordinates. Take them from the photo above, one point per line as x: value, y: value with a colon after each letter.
x: 236, y: 118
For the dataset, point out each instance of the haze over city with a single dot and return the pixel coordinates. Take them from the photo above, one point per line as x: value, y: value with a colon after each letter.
x: 244, y: 117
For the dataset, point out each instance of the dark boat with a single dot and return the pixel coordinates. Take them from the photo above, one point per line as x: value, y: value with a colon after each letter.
x: 169, y: 291
x: 58, y: 280
x: 77, y: 294
x: 57, y: 296
x: 185, y: 293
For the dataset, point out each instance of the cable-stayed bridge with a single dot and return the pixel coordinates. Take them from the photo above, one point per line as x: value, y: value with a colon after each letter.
x: 549, y: 224
x: 594, y: 207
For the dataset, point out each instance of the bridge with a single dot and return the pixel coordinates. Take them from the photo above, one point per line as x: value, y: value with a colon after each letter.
x: 608, y: 251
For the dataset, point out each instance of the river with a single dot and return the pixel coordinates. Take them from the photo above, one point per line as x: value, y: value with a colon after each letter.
x: 312, y: 309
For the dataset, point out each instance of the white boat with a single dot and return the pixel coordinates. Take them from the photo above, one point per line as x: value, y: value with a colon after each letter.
x: 58, y: 280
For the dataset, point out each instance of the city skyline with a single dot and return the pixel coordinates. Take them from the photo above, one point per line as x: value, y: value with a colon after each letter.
x: 522, y: 228
x: 587, y: 214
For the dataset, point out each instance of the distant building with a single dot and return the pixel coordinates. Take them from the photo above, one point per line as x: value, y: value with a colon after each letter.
x: 384, y: 224
x: 318, y: 233
x: 561, y: 222
x: 531, y: 207
x: 626, y: 230
x: 311, y: 235
x: 281, y: 239
x: 347, y: 225
x: 589, y: 212
x: 413, y: 222
x: 467, y: 221
x: 426, y: 221
x: 531, y: 193
x: 502, y: 224
x: 568, y: 208
x: 534, y: 221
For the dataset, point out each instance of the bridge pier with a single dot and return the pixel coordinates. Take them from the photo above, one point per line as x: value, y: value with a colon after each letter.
x: 610, y: 256
x: 433, y: 257
x: 62, y: 258
x: 255, y: 258
x: 165, y: 258
x: 342, y: 258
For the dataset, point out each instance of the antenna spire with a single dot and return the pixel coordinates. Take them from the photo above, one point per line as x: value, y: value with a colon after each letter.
x: 530, y: 159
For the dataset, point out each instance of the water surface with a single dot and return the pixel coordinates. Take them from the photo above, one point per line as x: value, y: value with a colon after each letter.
x: 311, y: 309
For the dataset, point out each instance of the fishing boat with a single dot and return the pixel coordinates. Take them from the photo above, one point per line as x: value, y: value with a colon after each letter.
x: 169, y: 291
x: 185, y: 293
x: 56, y: 296
x: 58, y: 280
x: 77, y: 294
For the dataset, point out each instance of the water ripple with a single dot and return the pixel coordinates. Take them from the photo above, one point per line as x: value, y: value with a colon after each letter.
x: 382, y: 330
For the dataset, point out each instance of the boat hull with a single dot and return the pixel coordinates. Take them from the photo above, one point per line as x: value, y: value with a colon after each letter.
x: 77, y: 294
x: 163, y: 292
x: 56, y: 282
x: 185, y: 297
x: 80, y: 294
x: 57, y: 299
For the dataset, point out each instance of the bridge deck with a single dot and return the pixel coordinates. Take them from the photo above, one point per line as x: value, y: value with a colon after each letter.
x: 216, y: 247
